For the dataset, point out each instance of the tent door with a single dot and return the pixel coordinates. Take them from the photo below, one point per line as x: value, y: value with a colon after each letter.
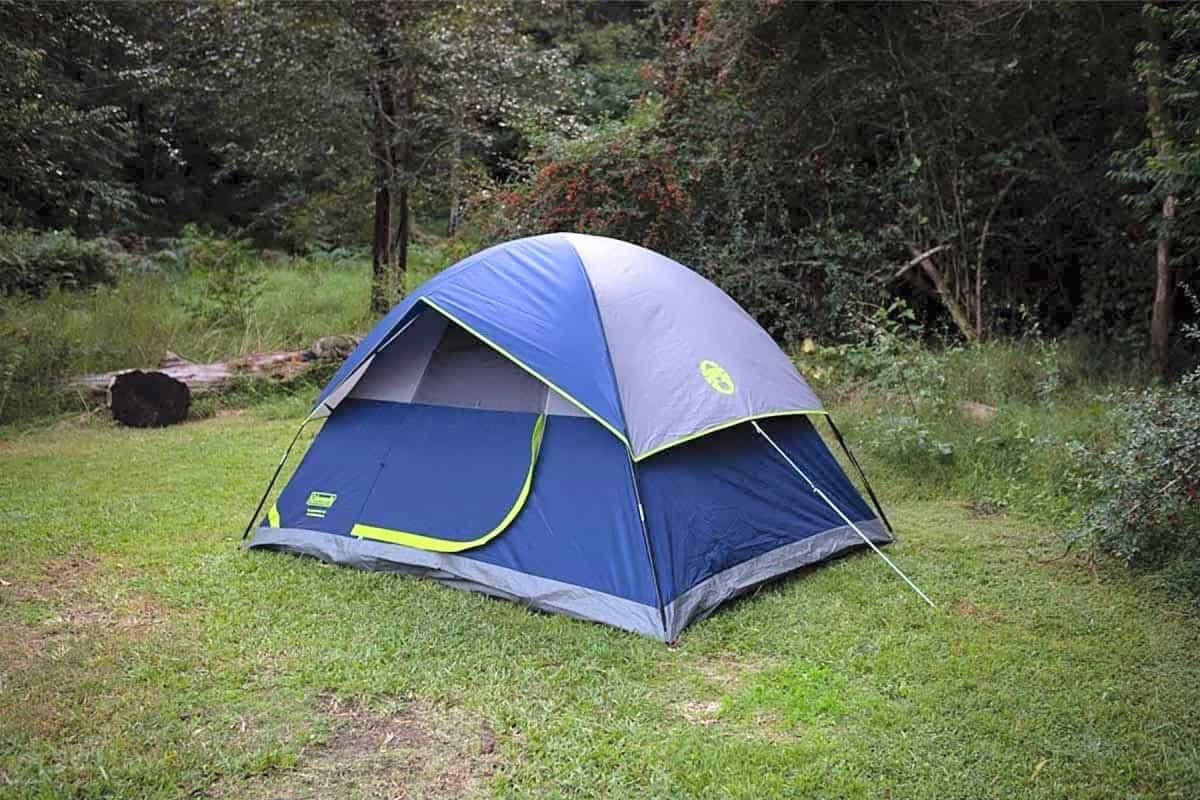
x: 453, y: 479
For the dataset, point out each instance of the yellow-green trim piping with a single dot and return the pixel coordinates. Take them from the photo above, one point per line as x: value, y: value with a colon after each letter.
x: 273, y: 516
x: 729, y: 424
x: 532, y: 372
x: 422, y: 542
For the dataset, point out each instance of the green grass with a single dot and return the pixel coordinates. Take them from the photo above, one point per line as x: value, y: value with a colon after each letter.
x: 133, y: 324
x: 142, y: 654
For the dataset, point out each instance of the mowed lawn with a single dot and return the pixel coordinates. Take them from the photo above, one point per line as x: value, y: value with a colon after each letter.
x: 143, y: 654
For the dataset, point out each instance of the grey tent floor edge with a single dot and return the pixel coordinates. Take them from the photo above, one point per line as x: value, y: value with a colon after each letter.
x: 459, y: 572
x: 705, y: 597
x: 544, y: 594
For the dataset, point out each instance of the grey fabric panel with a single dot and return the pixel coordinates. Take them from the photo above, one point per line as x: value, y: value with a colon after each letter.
x: 466, y: 373
x: 340, y: 393
x: 542, y: 594
x: 559, y: 406
x: 397, y: 369
x: 702, y: 599
x: 662, y: 321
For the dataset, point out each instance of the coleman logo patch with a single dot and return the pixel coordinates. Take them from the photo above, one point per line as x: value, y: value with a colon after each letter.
x: 717, y: 377
x: 318, y: 504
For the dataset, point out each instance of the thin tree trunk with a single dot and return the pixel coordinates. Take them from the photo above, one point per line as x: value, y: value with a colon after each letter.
x: 455, y: 162
x: 403, y: 233
x: 381, y: 245
x: 1164, y: 283
x: 982, y: 249
x: 957, y: 313
x: 1164, y: 293
x: 381, y: 239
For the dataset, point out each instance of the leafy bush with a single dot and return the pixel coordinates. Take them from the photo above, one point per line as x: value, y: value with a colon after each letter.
x: 231, y: 276
x: 33, y: 263
x: 339, y: 217
x: 622, y: 181
x: 1150, y: 485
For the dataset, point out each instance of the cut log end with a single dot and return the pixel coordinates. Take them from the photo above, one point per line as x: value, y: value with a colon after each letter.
x: 148, y: 399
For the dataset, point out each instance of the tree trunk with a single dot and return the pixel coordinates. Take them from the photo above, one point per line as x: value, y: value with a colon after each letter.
x: 455, y: 164
x: 407, y: 168
x: 383, y: 101
x: 962, y: 320
x: 385, y: 168
x: 1164, y: 282
x: 381, y: 248
x: 1164, y: 293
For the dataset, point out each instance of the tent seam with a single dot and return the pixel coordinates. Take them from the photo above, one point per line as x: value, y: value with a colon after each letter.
x: 612, y: 371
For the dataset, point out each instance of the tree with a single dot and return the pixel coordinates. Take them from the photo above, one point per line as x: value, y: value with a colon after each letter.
x: 64, y: 139
x: 312, y: 95
x: 1164, y: 167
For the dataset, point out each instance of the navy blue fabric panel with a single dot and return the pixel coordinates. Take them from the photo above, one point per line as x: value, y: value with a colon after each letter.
x: 343, y: 460
x: 432, y: 475
x: 451, y: 473
x: 580, y: 524
x: 799, y: 439
x: 727, y: 497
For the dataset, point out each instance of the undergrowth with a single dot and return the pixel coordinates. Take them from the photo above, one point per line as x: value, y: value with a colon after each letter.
x: 227, y: 303
x: 1045, y: 428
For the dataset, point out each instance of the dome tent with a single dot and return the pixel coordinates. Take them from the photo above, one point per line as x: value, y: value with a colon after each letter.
x: 578, y: 424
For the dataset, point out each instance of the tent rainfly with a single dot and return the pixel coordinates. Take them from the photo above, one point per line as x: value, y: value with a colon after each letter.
x: 580, y: 425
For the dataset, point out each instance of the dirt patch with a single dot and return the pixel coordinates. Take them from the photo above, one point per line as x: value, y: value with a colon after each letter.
x: 422, y: 750
x: 54, y: 580
x: 985, y: 508
x: 965, y: 608
x: 701, y: 712
x: 725, y: 670
x: 722, y: 675
x: 67, y: 608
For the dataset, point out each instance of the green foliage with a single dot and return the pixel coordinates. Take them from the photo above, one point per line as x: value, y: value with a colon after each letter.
x: 230, y: 277
x: 1148, y: 484
x: 134, y: 323
x: 188, y: 299
x: 1008, y: 426
x: 34, y: 263
x: 338, y: 217
x: 619, y: 181
x: 1165, y: 162
x: 63, y: 131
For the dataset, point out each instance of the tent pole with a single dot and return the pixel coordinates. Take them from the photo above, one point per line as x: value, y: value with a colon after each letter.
x: 816, y: 489
x: 262, y: 501
x: 861, y: 473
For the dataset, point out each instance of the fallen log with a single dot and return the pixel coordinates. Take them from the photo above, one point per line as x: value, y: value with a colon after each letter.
x: 143, y: 393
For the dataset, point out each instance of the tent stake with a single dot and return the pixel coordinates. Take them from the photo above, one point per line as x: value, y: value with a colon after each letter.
x: 838, y: 511
x: 274, y: 478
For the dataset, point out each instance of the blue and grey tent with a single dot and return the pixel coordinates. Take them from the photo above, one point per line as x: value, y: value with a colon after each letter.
x: 578, y: 424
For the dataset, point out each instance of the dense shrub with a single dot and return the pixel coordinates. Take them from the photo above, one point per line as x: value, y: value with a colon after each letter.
x: 622, y: 181
x: 1149, y: 514
x: 230, y: 273
x: 340, y: 217
x: 33, y: 263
